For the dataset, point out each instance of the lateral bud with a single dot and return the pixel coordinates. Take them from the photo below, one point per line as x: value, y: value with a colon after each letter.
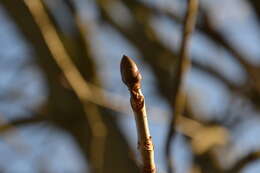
x: 130, y: 73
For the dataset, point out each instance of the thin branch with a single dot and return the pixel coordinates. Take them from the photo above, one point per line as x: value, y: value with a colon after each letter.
x: 178, y: 93
x: 132, y: 78
x: 244, y: 162
x: 19, y: 122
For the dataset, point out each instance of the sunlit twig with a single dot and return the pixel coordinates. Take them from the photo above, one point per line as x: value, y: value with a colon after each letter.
x: 132, y: 78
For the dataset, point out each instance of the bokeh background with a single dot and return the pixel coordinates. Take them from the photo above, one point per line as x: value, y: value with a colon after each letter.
x: 64, y: 109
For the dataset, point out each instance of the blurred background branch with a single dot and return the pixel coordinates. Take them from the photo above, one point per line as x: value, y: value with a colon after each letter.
x: 61, y: 89
x: 178, y: 92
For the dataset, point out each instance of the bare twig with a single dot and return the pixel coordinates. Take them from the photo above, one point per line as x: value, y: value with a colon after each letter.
x: 132, y: 78
x: 179, y: 94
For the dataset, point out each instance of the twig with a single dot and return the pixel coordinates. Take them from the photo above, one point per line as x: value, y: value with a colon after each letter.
x: 179, y: 94
x: 132, y: 79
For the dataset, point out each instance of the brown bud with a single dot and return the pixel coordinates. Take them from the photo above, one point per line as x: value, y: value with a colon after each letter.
x: 130, y: 73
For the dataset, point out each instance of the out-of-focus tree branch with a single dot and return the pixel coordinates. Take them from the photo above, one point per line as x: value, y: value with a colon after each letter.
x: 256, y: 6
x: 158, y: 55
x: 65, y: 109
x: 163, y: 54
x: 178, y: 89
x: 245, y: 161
x: 251, y: 87
x: 21, y: 122
x: 68, y: 112
x: 98, y: 129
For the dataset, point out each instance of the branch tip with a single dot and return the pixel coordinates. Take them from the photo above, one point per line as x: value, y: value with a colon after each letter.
x: 130, y: 73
